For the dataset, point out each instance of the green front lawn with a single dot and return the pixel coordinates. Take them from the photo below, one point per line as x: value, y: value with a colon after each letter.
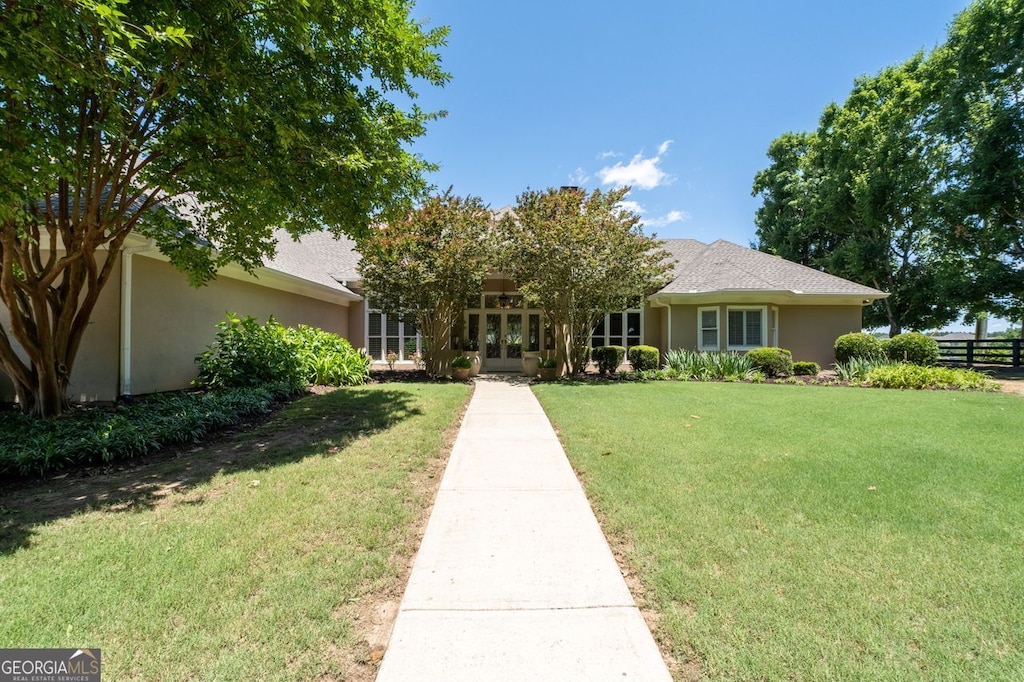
x: 811, y: 533
x: 246, y: 559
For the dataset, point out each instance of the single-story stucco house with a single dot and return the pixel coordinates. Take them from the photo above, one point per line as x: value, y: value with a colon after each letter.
x: 149, y: 323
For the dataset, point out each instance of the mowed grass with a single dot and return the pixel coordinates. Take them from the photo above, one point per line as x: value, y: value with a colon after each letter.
x: 255, y: 570
x: 812, y: 533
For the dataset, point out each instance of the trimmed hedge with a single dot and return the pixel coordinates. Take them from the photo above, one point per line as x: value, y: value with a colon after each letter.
x: 644, y: 358
x: 912, y: 347
x: 771, y: 361
x: 608, y: 358
x: 857, y: 345
x: 806, y: 369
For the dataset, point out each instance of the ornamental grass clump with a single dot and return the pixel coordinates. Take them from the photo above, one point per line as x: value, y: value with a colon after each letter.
x: 707, y: 366
x: 856, y: 369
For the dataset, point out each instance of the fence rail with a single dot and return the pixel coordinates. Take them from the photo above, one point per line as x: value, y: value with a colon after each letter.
x: 1003, y: 352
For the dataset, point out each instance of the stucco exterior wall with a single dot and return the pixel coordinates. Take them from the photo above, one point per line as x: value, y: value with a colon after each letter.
x: 172, y: 321
x: 654, y: 326
x: 95, y: 373
x: 810, y: 331
x: 357, y: 324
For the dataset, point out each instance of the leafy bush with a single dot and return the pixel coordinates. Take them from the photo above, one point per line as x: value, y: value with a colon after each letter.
x: 327, y: 359
x: 858, y: 345
x: 913, y: 376
x: 856, y: 369
x: 546, y: 363
x: 772, y: 361
x: 644, y: 358
x: 806, y: 369
x: 246, y: 353
x: 912, y: 347
x: 608, y: 358
x: 93, y: 435
x: 705, y: 366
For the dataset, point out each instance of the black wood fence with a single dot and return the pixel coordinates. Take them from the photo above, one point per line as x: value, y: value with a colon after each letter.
x: 1003, y: 352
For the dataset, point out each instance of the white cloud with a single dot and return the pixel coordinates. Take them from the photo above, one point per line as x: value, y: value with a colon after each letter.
x: 609, y: 155
x: 579, y: 177
x: 668, y: 219
x: 640, y: 172
x: 631, y: 206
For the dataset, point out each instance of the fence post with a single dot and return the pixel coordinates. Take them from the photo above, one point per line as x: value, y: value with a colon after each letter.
x: 1016, y: 353
x: 970, y: 353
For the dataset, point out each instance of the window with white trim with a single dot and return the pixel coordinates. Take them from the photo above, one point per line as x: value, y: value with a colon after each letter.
x: 707, y: 320
x: 386, y: 333
x: 618, y: 329
x: 745, y: 328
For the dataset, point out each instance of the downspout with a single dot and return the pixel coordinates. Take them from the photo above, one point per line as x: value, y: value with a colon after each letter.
x: 125, y: 389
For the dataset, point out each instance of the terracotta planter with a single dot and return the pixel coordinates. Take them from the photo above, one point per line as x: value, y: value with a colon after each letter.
x: 547, y: 373
x: 474, y: 356
x: 460, y: 373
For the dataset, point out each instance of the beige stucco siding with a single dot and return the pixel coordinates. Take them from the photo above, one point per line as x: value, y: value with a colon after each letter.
x: 172, y: 321
x: 94, y: 375
x: 653, y: 330
x: 357, y: 324
x: 810, y: 331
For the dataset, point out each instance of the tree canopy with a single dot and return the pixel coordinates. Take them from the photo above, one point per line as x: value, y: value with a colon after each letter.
x: 914, y: 184
x: 426, y: 266
x: 203, y: 126
x: 579, y: 256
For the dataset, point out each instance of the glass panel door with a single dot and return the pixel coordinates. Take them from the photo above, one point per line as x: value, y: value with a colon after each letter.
x: 492, y: 344
x: 513, y: 336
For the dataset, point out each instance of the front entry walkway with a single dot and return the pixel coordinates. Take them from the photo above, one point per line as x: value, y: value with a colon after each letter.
x: 514, y: 579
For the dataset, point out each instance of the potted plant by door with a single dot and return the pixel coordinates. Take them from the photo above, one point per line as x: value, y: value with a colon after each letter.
x: 530, y: 363
x: 460, y: 368
x: 546, y: 368
x: 471, y: 350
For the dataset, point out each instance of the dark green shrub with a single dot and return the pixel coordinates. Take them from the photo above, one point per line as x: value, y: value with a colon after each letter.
x: 246, y: 353
x: 327, y: 359
x: 461, y: 362
x: 608, y: 358
x: 644, y: 358
x: 806, y: 369
x: 771, y: 361
x: 912, y: 347
x: 858, y: 345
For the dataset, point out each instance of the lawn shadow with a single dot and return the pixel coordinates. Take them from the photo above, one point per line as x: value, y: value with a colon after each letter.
x: 313, y: 425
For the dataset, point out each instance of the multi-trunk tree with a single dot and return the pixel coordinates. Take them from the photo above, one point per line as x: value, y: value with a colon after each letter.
x: 202, y: 126
x: 426, y: 265
x: 578, y: 256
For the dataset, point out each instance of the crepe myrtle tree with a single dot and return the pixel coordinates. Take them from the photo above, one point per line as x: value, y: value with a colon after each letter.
x: 264, y: 114
x: 578, y: 256
x: 424, y: 266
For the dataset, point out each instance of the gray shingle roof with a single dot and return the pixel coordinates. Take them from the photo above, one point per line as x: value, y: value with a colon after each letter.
x: 724, y: 266
x: 317, y: 257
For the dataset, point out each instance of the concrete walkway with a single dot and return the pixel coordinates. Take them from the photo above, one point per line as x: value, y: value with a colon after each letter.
x: 514, y: 579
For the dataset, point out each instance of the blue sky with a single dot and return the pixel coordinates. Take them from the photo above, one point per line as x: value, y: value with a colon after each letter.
x: 679, y: 99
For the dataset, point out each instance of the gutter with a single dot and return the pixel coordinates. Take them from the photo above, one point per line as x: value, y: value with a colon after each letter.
x: 125, y: 356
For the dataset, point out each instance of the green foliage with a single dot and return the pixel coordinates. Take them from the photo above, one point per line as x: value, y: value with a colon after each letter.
x: 327, y: 359
x: 856, y: 369
x: 461, y: 362
x: 857, y: 345
x: 912, y: 347
x: 547, y: 363
x: 608, y: 358
x: 644, y: 358
x: 772, y: 361
x: 913, y: 376
x: 92, y: 435
x: 806, y: 368
x: 425, y: 265
x: 246, y: 353
x: 707, y: 366
x: 579, y: 256
x: 243, y: 116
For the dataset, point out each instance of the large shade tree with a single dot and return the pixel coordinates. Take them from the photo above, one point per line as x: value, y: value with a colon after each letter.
x: 578, y: 256
x: 426, y: 265
x: 264, y: 114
